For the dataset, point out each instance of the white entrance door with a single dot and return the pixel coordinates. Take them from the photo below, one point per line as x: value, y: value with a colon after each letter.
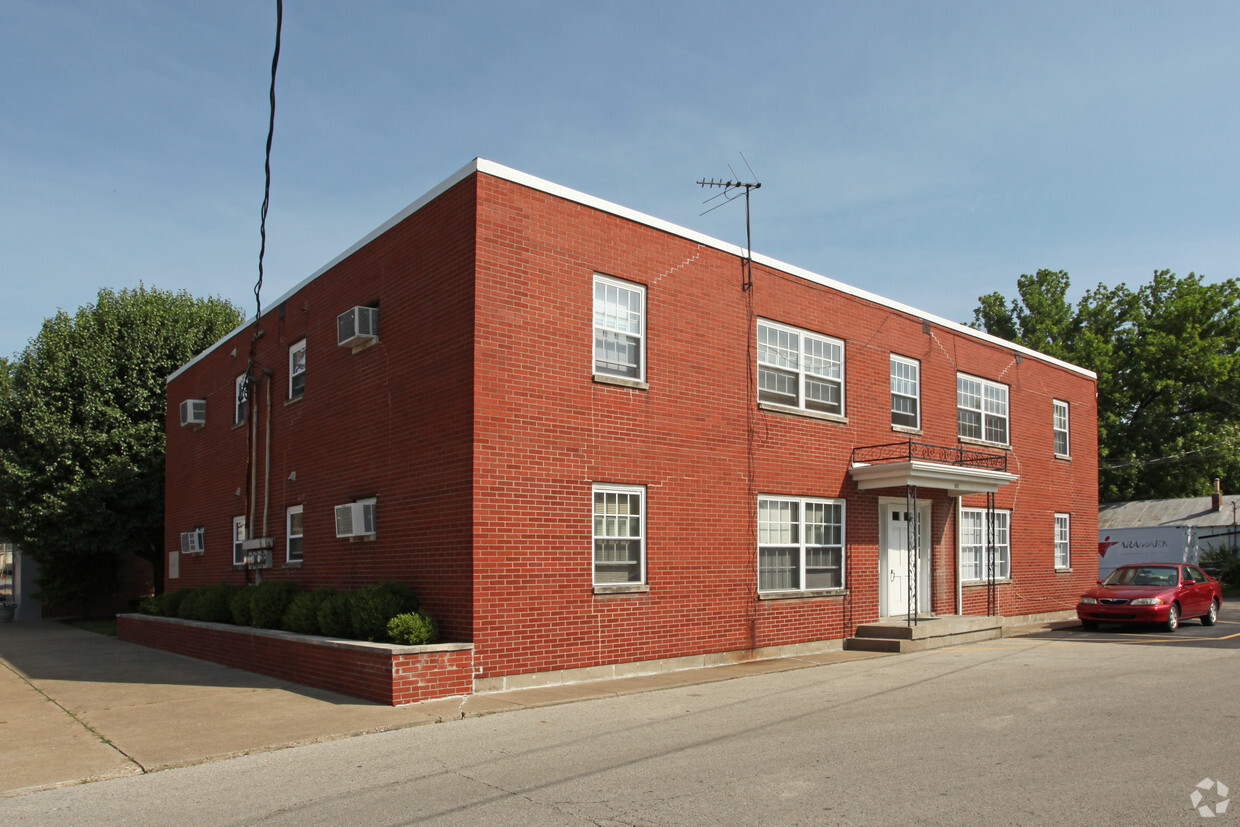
x: 894, y: 559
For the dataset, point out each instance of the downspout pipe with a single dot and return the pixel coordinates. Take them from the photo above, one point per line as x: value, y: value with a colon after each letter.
x: 956, y: 567
x: 267, y: 458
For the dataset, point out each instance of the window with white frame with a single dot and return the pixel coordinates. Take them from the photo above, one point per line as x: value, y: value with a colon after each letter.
x: 297, y: 369
x: 974, y: 560
x: 800, y: 544
x: 619, y: 535
x: 293, y: 533
x: 981, y: 409
x: 619, y: 328
x: 238, y: 541
x: 905, y: 392
x: 241, y: 396
x: 1063, y: 543
x: 1061, y: 427
x: 800, y: 369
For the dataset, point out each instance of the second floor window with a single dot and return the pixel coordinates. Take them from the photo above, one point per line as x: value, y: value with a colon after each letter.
x: 800, y: 369
x: 297, y: 369
x: 1061, y: 428
x: 242, y: 396
x: 981, y: 409
x: 619, y: 328
x: 905, y: 392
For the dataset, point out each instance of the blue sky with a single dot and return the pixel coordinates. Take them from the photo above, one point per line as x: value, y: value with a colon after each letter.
x: 930, y: 152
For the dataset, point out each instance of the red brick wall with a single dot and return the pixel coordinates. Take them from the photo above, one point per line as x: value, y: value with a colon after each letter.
x: 705, y: 451
x: 371, y: 671
x: 391, y: 421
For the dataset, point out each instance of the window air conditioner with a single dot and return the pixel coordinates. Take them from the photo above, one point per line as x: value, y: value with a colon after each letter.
x: 356, y: 519
x: 357, y: 327
x: 192, y: 541
x: 194, y: 412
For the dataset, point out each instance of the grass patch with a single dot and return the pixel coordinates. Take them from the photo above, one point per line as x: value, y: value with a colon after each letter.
x: 98, y: 625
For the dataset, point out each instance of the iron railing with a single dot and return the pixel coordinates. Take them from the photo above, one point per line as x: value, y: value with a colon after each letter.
x: 913, y: 450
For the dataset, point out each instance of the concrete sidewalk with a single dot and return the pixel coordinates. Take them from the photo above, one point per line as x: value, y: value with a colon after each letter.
x: 78, y: 706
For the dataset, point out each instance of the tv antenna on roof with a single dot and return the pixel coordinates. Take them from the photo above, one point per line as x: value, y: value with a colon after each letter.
x: 729, y: 193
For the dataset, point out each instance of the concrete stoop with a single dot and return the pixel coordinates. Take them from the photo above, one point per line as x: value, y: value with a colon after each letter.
x: 933, y: 632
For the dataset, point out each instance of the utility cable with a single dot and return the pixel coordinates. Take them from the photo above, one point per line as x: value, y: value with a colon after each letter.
x: 251, y: 407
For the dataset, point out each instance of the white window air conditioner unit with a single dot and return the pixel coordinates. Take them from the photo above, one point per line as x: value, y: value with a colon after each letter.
x: 356, y: 519
x: 192, y: 541
x: 357, y: 327
x: 194, y: 412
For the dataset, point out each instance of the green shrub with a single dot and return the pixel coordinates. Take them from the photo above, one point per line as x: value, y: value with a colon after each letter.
x: 188, y: 606
x: 170, y: 606
x: 413, y: 629
x: 371, y: 607
x: 240, y: 606
x: 1227, y: 560
x: 214, y: 603
x: 334, y: 616
x: 270, y: 601
x: 302, y: 616
x: 153, y: 605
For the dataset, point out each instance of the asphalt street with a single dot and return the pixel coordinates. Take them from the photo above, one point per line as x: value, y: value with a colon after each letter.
x: 1061, y: 728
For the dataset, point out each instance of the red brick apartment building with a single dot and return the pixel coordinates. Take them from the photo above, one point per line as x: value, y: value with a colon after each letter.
x: 583, y: 440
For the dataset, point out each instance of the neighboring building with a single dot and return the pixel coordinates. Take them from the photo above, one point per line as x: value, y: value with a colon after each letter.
x: 1171, y: 530
x: 19, y: 582
x: 8, y: 563
x: 582, y: 441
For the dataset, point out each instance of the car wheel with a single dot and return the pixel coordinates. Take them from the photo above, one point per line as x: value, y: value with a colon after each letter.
x: 1173, y: 618
x: 1209, y: 617
x: 1089, y: 625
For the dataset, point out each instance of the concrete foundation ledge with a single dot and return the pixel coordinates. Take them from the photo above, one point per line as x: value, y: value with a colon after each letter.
x: 559, y: 677
x: 1017, y: 621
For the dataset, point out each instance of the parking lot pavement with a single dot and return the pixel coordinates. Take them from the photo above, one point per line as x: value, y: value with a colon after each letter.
x: 1225, y: 634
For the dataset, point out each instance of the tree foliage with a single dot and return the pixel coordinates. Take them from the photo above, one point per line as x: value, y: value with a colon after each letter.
x: 82, y: 434
x: 1167, y: 357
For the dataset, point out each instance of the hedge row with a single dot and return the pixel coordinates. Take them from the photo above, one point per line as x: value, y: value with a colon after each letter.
x: 386, y: 612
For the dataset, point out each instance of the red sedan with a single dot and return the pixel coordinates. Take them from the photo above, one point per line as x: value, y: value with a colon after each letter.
x: 1162, y: 593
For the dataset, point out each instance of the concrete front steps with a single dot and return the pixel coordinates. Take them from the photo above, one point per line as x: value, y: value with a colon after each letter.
x: 930, y: 632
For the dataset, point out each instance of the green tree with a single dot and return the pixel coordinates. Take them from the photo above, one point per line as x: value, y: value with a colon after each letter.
x: 1167, y: 357
x: 82, y: 434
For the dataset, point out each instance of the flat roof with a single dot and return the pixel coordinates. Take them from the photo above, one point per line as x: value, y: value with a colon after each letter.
x: 481, y: 165
x: 1184, y: 511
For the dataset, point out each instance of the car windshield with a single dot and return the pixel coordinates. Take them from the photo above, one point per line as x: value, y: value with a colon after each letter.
x: 1142, y: 576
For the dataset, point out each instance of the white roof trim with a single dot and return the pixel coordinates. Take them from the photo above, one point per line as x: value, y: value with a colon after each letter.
x: 956, y: 480
x: 524, y: 179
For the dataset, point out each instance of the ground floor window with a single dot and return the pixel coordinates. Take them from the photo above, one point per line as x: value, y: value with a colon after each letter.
x: 800, y: 544
x: 619, y: 534
x: 974, y: 564
x: 293, y: 533
x: 1063, y: 545
x: 238, y: 534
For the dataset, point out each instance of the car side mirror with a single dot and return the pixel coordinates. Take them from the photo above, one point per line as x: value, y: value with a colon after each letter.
x: 1190, y: 582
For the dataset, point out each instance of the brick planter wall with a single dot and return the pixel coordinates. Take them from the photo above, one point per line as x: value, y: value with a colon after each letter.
x: 378, y: 672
